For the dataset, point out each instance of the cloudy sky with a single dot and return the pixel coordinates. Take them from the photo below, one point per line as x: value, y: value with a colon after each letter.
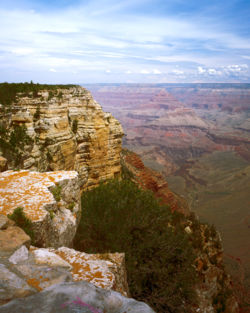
x: 91, y: 41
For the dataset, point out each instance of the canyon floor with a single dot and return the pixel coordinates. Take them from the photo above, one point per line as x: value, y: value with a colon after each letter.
x: 197, y: 136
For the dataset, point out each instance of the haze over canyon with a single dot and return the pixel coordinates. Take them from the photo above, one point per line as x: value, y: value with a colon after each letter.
x: 197, y: 136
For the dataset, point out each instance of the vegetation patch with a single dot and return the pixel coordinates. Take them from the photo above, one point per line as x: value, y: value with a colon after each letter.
x: 71, y: 206
x: 21, y: 220
x: 56, y: 192
x: 75, y: 126
x: 9, y: 92
x: 120, y: 217
x: 12, y: 143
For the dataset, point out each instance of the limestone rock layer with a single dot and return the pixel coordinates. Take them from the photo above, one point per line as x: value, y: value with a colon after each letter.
x: 69, y: 131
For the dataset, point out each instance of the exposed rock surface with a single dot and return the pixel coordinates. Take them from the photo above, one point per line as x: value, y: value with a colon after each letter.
x: 26, y: 269
x: 76, y: 297
x: 69, y: 131
x: 50, y: 200
x: 154, y: 181
x: 7, y: 244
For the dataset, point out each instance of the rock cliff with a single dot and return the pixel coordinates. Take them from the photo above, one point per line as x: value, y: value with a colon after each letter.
x: 63, y: 129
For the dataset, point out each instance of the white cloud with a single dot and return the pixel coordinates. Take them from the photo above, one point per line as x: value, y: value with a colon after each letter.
x: 81, y: 38
x: 145, y: 72
x: 157, y: 72
x: 22, y: 51
x: 52, y: 70
x: 212, y: 71
x: 177, y: 72
x: 201, y: 70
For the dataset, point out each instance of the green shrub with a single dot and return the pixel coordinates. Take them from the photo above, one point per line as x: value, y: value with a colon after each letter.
x: 51, y: 214
x: 51, y: 95
x: 12, y: 143
x: 56, y: 192
x: 37, y: 114
x: 9, y: 92
x: 75, y: 126
x: 49, y: 157
x: 120, y: 217
x: 21, y: 220
x: 71, y: 206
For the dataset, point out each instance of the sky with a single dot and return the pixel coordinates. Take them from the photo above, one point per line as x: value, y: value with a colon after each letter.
x: 130, y: 41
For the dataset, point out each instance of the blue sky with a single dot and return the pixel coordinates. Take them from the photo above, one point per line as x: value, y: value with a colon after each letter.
x: 148, y: 41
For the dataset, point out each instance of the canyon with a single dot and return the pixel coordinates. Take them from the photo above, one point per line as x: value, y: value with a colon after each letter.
x: 197, y: 137
x: 64, y: 131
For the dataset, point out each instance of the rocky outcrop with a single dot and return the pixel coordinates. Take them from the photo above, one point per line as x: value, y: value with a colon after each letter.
x: 67, y: 130
x: 25, y: 269
x: 51, y: 200
x: 76, y: 297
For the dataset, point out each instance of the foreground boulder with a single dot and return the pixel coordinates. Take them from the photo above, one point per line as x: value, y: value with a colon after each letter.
x: 50, y: 200
x: 27, y: 270
x: 76, y: 297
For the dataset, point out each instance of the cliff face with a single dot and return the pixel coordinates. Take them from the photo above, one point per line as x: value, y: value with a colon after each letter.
x: 67, y: 130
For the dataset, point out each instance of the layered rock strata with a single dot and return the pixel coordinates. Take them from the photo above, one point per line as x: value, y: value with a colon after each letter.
x: 68, y: 131
x: 51, y: 200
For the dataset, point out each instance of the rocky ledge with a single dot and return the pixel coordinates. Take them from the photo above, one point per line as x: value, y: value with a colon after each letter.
x: 51, y: 200
x: 26, y: 270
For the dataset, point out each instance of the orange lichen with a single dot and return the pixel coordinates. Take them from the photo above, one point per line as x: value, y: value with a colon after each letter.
x: 33, y: 282
x: 29, y: 190
x: 87, y: 267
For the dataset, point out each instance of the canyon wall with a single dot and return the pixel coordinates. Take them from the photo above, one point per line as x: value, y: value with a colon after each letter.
x: 66, y: 130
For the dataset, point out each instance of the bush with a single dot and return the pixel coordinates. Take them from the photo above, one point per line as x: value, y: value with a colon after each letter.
x: 120, y: 217
x: 37, y: 113
x: 56, y: 192
x: 9, y: 92
x: 12, y: 144
x: 75, y: 126
x: 21, y: 220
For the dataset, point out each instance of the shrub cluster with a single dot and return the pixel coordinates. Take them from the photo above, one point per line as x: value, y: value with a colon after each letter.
x: 120, y: 217
x: 12, y: 143
x: 8, y: 91
x: 75, y: 126
x: 21, y: 220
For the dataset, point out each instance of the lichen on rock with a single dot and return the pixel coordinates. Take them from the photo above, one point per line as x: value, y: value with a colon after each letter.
x: 53, y: 223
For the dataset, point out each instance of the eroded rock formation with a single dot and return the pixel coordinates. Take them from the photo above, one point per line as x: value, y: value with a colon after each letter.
x: 68, y: 131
